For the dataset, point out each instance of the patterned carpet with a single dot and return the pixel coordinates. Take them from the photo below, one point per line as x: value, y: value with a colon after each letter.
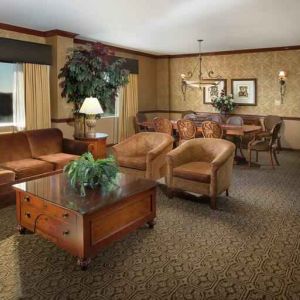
x: 248, y: 249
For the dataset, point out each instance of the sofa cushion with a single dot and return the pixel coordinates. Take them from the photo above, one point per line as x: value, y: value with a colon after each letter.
x: 6, y: 176
x: 28, y: 167
x: 59, y: 160
x: 45, y: 141
x: 198, y: 171
x: 14, y: 146
x: 133, y: 162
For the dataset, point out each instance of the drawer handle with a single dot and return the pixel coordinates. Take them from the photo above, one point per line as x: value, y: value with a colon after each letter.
x: 26, y: 199
x: 66, y: 232
x: 65, y: 215
x: 27, y: 214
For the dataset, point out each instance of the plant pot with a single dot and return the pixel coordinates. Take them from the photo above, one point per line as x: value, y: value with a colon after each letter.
x: 79, y: 129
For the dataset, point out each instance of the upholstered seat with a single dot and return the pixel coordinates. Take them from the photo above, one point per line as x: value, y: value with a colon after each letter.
x: 27, y: 167
x: 59, y: 160
x: 195, y: 170
x: 144, y: 154
x: 133, y: 162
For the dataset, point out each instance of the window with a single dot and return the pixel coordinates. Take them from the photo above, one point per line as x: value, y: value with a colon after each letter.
x: 6, y: 93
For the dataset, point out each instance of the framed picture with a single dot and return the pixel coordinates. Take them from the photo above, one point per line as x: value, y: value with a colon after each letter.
x: 213, y: 91
x: 244, y: 91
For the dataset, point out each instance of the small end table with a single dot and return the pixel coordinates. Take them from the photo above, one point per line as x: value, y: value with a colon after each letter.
x: 97, y: 143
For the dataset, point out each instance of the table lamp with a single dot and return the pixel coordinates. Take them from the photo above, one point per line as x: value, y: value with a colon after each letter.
x: 91, y: 107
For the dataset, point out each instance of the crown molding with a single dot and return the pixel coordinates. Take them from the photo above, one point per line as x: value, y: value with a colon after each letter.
x: 114, y: 48
x: 230, y: 52
x: 63, y: 33
x: 60, y: 33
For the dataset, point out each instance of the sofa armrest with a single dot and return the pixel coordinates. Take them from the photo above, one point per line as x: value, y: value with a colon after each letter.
x: 6, y: 176
x: 75, y: 147
x: 222, y: 158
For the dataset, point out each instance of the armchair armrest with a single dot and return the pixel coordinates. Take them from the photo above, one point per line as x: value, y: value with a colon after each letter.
x: 222, y: 158
x: 152, y: 154
x: 75, y: 147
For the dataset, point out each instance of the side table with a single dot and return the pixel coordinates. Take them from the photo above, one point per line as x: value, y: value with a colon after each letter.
x: 97, y: 143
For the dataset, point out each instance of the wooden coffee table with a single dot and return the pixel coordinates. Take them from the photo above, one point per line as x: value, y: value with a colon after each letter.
x: 84, y: 225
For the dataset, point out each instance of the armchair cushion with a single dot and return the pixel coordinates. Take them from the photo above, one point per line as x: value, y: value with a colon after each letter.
x: 196, y: 170
x: 59, y: 160
x: 134, y: 162
x: 28, y: 167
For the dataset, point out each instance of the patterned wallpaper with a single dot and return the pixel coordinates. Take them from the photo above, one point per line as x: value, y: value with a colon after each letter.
x: 264, y: 66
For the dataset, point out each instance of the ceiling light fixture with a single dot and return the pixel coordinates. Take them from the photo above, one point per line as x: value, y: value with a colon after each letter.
x: 186, y: 79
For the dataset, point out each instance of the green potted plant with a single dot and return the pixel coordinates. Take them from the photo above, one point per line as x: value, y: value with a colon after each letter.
x: 224, y: 104
x: 88, y: 172
x: 92, y: 72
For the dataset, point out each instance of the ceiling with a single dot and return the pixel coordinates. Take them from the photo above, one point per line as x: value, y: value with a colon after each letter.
x: 165, y: 26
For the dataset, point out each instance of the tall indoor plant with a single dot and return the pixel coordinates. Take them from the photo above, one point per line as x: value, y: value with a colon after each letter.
x: 92, y: 71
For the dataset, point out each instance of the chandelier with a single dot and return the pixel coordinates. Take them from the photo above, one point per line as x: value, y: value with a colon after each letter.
x: 186, y: 79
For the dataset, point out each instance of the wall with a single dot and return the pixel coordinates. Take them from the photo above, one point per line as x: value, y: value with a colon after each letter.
x: 263, y: 65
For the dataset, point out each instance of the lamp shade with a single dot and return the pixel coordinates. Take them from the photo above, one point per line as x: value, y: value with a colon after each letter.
x: 91, y: 106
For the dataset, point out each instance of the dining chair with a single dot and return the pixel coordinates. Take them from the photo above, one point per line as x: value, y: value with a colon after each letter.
x: 186, y: 129
x: 265, y: 145
x: 163, y: 125
x: 188, y: 113
x: 140, y: 117
x: 216, y: 118
x: 269, y: 122
x: 211, y: 129
x: 235, y: 120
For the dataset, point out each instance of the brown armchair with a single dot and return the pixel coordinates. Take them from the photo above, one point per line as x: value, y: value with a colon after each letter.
x: 144, y: 154
x: 202, y: 166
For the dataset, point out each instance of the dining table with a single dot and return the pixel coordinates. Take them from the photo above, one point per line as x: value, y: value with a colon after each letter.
x: 237, y: 132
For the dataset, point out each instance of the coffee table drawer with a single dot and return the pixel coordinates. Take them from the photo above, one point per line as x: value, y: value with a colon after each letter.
x: 29, y: 200
x: 60, y: 213
x: 60, y: 233
x: 29, y: 216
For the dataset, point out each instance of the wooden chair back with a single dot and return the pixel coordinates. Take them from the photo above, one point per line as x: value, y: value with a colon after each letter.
x: 211, y: 129
x: 162, y: 125
x: 270, y: 122
x: 236, y: 120
x: 186, y: 129
x: 275, y: 134
x: 216, y: 118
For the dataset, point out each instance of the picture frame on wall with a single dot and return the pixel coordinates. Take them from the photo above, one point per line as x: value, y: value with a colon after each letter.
x: 244, y: 91
x: 213, y: 91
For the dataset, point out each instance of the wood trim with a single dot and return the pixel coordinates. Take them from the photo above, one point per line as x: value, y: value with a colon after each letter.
x: 62, y: 120
x: 115, y: 48
x: 230, y: 52
x: 213, y: 113
x: 60, y: 33
x: 136, y: 52
x: 21, y: 29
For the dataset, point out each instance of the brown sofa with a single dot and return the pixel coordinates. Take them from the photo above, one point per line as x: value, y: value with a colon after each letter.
x: 30, y: 154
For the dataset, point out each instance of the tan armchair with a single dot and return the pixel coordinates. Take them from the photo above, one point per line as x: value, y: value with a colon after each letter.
x: 144, y: 154
x: 202, y: 166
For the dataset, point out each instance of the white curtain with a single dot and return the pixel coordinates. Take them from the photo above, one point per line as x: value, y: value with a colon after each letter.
x: 19, y: 99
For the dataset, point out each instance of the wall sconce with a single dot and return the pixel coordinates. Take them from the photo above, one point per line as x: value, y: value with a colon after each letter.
x: 282, y: 82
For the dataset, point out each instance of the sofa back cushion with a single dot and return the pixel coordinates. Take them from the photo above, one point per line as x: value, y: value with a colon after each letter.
x: 14, y: 146
x: 45, y: 141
